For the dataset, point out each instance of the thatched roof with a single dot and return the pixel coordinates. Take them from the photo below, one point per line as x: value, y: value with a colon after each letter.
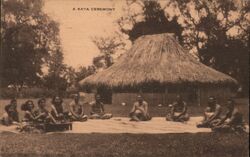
x: 156, y: 58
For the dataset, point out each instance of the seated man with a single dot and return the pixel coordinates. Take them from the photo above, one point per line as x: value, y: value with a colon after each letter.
x: 76, y: 110
x: 178, y: 111
x: 58, y: 112
x: 211, y: 114
x: 139, y: 111
x: 97, y: 109
x: 42, y: 115
x: 232, y: 121
x: 11, y: 115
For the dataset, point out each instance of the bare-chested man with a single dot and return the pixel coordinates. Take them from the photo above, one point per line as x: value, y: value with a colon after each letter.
x: 139, y: 111
x: 178, y: 111
x: 211, y: 114
x: 232, y: 121
x: 58, y: 111
x: 42, y: 114
x: 76, y: 108
x: 97, y: 109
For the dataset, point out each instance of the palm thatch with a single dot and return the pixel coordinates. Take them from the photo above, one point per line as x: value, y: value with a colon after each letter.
x: 156, y: 58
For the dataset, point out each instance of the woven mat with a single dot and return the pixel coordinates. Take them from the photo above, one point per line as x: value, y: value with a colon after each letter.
x: 122, y: 125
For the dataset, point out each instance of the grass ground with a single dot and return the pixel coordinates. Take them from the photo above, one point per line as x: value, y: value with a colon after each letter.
x: 112, y: 145
x: 121, y: 145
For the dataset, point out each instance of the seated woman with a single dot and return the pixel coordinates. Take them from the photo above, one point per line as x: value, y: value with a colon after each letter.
x: 28, y: 108
x: 178, y: 111
x: 232, y: 121
x: 76, y: 110
x: 29, y: 119
x: 139, y: 111
x: 42, y: 114
x: 211, y: 114
x: 11, y: 115
x: 97, y: 109
x: 58, y: 112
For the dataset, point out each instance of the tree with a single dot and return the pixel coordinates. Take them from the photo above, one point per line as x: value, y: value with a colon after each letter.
x: 73, y: 76
x: 27, y: 37
x: 84, y: 72
x: 152, y: 19
x: 107, y: 46
x: 55, y: 79
x: 70, y: 76
x: 219, y: 32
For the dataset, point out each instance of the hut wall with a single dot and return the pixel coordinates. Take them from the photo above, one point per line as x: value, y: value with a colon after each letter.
x: 221, y: 94
x: 88, y: 97
x: 151, y: 98
x: 130, y: 98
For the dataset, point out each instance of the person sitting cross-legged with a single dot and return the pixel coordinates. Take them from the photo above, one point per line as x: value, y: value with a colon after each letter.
x: 211, y: 115
x: 178, y: 111
x: 42, y: 114
x: 77, y: 110
x: 232, y: 121
x: 11, y: 115
x: 58, y: 111
x: 28, y: 108
x: 29, y: 120
x: 97, y: 109
x: 139, y: 111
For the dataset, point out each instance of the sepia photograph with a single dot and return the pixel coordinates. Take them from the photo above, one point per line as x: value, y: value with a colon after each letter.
x: 124, y: 78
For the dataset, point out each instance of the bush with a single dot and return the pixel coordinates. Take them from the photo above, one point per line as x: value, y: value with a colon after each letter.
x: 34, y: 92
x: 7, y: 93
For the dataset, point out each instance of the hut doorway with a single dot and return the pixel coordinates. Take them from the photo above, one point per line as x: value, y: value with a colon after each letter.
x: 106, y: 94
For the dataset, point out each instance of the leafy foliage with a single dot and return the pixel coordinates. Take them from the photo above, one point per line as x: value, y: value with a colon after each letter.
x: 151, y: 20
x: 73, y: 75
x: 55, y: 78
x: 219, y: 32
x: 27, y: 37
x: 108, y: 46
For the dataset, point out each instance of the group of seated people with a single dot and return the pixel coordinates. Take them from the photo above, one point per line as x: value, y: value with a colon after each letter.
x: 213, y: 118
x: 57, y: 113
x: 178, y: 110
x: 233, y: 120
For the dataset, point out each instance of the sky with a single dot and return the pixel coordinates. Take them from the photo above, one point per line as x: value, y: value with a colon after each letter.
x: 77, y: 27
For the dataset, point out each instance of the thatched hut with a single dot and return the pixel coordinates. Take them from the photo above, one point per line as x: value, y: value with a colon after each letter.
x: 159, y: 67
